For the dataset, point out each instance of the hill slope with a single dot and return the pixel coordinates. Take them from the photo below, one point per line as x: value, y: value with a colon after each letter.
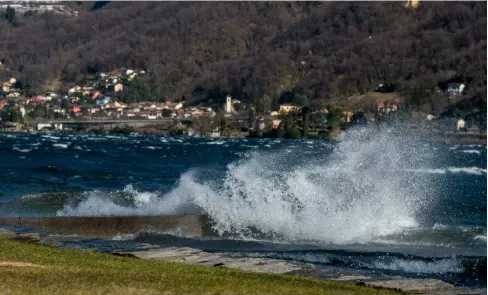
x: 257, y: 49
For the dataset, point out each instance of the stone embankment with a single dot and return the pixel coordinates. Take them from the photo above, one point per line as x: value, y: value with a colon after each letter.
x: 230, y: 260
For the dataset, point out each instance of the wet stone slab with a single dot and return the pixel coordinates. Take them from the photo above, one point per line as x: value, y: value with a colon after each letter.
x: 411, y: 285
x: 195, y: 256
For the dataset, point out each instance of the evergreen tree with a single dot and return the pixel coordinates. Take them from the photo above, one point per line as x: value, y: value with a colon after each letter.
x: 9, y: 14
x: 306, y: 120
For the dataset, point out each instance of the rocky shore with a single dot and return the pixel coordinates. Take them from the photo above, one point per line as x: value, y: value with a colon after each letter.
x: 229, y: 260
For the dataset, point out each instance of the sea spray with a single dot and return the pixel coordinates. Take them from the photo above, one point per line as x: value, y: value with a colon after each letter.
x: 349, y: 193
x: 345, y: 196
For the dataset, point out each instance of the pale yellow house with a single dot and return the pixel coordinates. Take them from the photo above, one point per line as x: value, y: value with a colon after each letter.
x: 6, y: 87
x: 286, y: 108
x: 118, y: 87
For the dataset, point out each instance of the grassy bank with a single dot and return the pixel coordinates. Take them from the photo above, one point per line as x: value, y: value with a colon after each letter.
x: 27, y: 268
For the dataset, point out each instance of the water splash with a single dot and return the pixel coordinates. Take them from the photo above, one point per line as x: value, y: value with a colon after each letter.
x: 352, y: 192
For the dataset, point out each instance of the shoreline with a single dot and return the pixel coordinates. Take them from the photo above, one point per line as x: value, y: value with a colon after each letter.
x: 227, y: 260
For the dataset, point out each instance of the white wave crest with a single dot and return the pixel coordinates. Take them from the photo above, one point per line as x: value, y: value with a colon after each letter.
x: 61, y: 145
x: 450, y: 265
x: 466, y: 170
x: 51, y: 137
x: 482, y: 238
x: 126, y: 237
x: 98, y: 203
x: 471, y: 152
x: 22, y: 150
x: 439, y: 226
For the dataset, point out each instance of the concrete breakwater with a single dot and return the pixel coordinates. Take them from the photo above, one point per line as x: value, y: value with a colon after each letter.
x: 108, y: 227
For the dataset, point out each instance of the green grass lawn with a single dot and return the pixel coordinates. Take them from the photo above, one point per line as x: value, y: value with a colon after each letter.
x: 28, y: 268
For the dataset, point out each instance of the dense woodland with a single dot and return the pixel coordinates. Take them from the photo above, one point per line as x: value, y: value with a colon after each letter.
x: 260, y: 52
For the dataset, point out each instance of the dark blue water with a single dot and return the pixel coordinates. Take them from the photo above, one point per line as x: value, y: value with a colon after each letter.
x: 376, y: 201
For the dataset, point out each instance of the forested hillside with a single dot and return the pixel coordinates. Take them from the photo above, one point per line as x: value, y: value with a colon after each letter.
x: 259, y: 51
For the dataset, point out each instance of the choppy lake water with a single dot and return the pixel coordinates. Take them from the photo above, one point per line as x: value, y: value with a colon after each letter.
x: 377, y: 200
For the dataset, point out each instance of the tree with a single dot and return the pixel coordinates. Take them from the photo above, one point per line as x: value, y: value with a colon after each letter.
x: 5, y: 116
x: 64, y: 104
x: 10, y: 14
x: 333, y: 120
x: 15, y: 116
x: 203, y: 125
x: 306, y: 120
x: 293, y: 133
x: 166, y: 113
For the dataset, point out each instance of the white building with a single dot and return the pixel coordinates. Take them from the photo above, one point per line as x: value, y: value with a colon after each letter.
x: 455, y: 88
x: 228, y: 104
x: 460, y: 124
x: 74, y: 89
x: 178, y: 106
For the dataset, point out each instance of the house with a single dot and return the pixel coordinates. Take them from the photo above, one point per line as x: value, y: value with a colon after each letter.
x: 412, y: 4
x: 347, y: 116
x: 286, y: 108
x: 74, y: 89
x: 96, y: 94
x: 276, y: 124
x: 322, y: 111
x: 58, y: 110
x: 6, y: 87
x: 274, y: 113
x: 260, y: 124
x: 118, y: 87
x: 178, y: 106
x: 13, y: 95
x: 461, y: 124
x: 455, y: 88
x: 103, y: 101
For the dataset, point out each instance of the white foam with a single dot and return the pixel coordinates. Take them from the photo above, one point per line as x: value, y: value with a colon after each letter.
x: 439, y: 226
x: 61, y: 145
x: 51, y: 137
x: 471, y: 152
x: 466, y: 170
x: 98, y: 203
x: 450, y: 265
x: 219, y: 142
x: 22, y: 150
x: 482, y: 238
x: 125, y: 237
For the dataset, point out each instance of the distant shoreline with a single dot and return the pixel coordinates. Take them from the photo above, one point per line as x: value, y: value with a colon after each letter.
x: 455, y: 138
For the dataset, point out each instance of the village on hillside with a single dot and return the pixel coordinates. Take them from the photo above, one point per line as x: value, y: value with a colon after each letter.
x: 101, y: 98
